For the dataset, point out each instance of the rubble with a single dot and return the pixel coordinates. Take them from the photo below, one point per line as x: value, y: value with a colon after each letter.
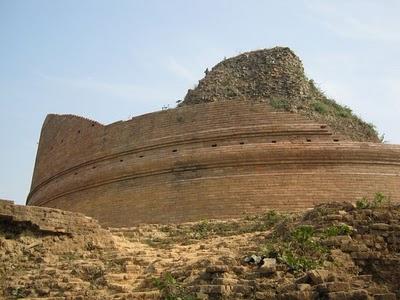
x: 51, y: 254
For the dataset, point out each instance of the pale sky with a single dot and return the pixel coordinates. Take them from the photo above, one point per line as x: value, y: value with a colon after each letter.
x: 111, y: 60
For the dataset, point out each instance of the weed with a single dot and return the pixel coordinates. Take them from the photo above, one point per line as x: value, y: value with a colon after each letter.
x: 303, y: 233
x: 280, y: 103
x: 271, y: 217
x: 344, y: 112
x: 336, y: 230
x: 189, y: 233
x: 363, y: 203
x: 202, y: 229
x: 69, y: 256
x: 90, y: 246
x: 298, y: 263
x: 300, y: 250
x: 18, y: 292
x: 320, y: 107
x: 291, y: 255
x: 116, y: 265
x: 379, y: 200
x: 171, y: 289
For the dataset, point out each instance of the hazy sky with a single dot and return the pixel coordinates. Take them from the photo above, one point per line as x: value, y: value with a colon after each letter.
x: 111, y: 60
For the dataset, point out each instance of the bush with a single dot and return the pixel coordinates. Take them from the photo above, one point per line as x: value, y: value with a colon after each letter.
x: 363, y: 203
x: 379, y: 200
x: 303, y: 233
x: 300, y: 250
x: 202, y: 229
x: 297, y: 263
x: 336, y: 230
x: 344, y: 112
x: 320, y: 107
x: 280, y: 103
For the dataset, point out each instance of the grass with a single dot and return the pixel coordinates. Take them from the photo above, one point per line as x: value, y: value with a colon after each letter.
x: 379, y: 200
x: 171, y: 289
x: 336, y: 230
x: 280, y: 103
x: 298, y: 263
x: 339, y: 116
x: 320, y: 107
x: 18, y: 292
x: 302, y: 247
x: 303, y: 233
x: 70, y: 256
x: 190, y: 233
x: 299, y: 249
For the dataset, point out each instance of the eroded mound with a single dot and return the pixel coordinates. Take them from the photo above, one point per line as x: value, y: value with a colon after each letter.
x: 276, y: 76
x: 334, y: 251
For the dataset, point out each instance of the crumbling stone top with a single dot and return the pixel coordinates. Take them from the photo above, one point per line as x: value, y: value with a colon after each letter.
x: 276, y: 76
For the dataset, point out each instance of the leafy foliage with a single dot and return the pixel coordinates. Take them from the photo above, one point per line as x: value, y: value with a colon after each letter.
x: 320, y: 107
x: 300, y: 249
x: 303, y: 234
x: 280, y: 103
x: 298, y: 263
x: 379, y: 200
x: 336, y: 230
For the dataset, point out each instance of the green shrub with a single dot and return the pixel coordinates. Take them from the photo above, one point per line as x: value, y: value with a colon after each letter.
x: 320, y: 107
x: 300, y: 250
x: 298, y: 263
x: 343, y: 111
x: 202, y: 229
x: 363, y: 203
x: 280, y: 103
x: 303, y: 233
x: 379, y: 200
x: 18, y: 292
x: 336, y: 230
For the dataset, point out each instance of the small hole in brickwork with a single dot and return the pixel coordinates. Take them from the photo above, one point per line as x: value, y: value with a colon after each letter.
x: 241, y: 143
x: 323, y: 126
x: 121, y: 160
x: 94, y: 167
x: 214, y: 145
x: 62, y: 141
x: 273, y: 142
x: 175, y: 150
x: 308, y: 140
x: 335, y: 140
x: 76, y: 173
x: 79, y: 131
x: 92, y: 125
x: 141, y: 156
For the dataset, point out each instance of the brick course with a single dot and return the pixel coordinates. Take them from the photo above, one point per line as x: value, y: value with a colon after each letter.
x: 211, y: 160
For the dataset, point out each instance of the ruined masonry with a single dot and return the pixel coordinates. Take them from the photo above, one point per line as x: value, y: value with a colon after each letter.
x: 255, y: 134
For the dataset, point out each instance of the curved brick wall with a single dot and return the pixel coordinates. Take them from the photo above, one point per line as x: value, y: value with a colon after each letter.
x: 213, y: 160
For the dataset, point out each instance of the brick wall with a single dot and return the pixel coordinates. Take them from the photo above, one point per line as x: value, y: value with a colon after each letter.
x: 211, y: 160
